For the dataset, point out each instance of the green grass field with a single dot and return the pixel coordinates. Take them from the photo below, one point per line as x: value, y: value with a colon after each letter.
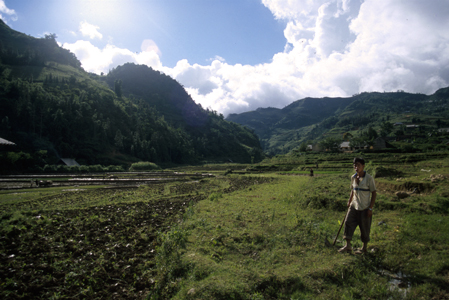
x: 253, y: 236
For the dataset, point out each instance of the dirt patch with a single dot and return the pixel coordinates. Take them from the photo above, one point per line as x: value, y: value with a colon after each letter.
x: 102, y: 252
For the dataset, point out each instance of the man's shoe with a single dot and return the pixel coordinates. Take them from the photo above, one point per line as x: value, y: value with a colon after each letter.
x: 345, y: 249
x: 360, y: 251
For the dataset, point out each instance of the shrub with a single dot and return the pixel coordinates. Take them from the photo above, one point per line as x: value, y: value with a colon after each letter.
x: 96, y: 169
x: 84, y: 169
x: 74, y: 169
x: 61, y: 169
x: 215, y: 196
x: 144, y: 166
x: 114, y: 169
x: 385, y: 172
x: 49, y: 169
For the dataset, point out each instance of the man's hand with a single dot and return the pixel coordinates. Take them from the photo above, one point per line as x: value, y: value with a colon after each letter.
x: 350, y: 198
x: 373, y: 200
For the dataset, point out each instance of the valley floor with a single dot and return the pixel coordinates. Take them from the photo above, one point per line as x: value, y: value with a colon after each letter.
x: 252, y: 236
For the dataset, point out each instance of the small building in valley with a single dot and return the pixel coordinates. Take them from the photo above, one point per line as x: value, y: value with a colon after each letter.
x: 6, y: 142
x: 68, y: 162
x: 314, y: 147
x: 6, y: 145
x: 345, y: 146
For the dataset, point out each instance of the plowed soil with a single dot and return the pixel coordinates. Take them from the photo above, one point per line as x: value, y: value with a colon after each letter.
x: 101, y: 251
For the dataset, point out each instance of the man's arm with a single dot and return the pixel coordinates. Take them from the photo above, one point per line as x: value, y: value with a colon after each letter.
x: 373, y: 200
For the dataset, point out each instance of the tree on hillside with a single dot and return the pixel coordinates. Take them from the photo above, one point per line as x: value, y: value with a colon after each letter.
x: 359, y: 142
x: 119, y: 140
x: 400, y: 131
x: 51, y: 36
x: 385, y: 129
x: 118, y: 88
x: 331, y: 144
x: 372, y: 134
x: 366, y: 138
x: 347, y: 136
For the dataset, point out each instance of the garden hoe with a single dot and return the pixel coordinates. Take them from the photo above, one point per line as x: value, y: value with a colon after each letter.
x: 326, y: 242
x: 340, y: 228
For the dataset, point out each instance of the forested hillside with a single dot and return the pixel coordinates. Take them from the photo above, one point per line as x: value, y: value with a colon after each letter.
x: 17, y: 48
x: 48, y: 102
x: 358, y: 119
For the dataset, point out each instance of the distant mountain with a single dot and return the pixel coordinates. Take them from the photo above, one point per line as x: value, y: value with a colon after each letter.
x: 48, y: 102
x: 298, y: 114
x: 311, y: 120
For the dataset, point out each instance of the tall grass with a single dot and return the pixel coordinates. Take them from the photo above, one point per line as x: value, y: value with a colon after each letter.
x: 267, y: 242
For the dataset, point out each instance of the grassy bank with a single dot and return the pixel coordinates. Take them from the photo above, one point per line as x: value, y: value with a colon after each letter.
x: 268, y: 242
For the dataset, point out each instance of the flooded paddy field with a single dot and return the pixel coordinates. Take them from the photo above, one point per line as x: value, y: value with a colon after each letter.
x: 110, y: 179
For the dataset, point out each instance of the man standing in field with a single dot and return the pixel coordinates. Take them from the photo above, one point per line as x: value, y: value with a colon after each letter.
x: 360, y: 206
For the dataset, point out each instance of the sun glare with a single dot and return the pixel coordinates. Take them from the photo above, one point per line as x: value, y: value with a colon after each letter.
x: 101, y: 12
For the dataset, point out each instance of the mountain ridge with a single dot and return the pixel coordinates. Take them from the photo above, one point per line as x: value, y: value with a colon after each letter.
x: 311, y: 120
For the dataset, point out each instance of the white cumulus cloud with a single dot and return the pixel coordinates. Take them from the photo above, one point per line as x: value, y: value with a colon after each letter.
x: 101, y: 60
x: 96, y: 60
x: 90, y: 30
x: 5, y: 10
x: 333, y: 48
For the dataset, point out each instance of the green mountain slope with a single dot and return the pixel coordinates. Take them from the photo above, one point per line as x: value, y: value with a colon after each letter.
x: 301, y: 113
x: 209, y: 133
x: 17, y: 48
x: 48, y: 102
x: 158, y: 90
x: 279, y: 127
x: 313, y: 120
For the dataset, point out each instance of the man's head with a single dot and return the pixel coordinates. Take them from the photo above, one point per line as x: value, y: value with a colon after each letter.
x: 359, y: 160
x: 359, y: 164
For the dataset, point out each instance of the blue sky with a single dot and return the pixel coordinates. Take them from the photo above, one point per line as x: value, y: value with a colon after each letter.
x: 241, y: 31
x: 238, y: 55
